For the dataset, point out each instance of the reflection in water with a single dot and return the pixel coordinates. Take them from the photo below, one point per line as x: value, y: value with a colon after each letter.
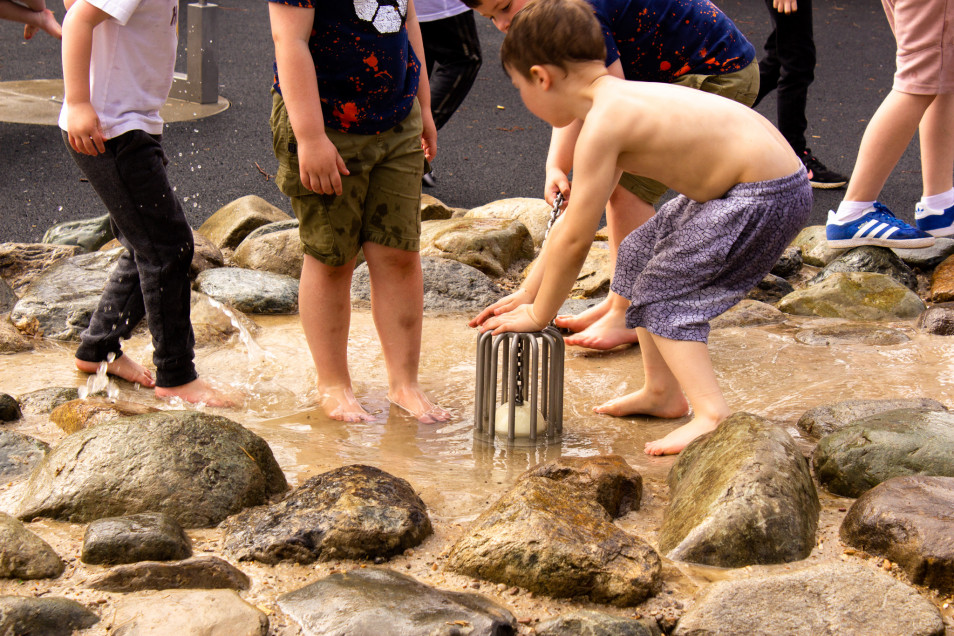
x: 762, y: 370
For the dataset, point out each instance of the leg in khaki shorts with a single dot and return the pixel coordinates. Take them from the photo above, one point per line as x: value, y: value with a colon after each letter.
x: 379, y: 212
x: 603, y: 326
x: 921, y: 100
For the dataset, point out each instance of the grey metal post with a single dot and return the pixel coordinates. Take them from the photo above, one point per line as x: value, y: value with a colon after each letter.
x: 200, y: 82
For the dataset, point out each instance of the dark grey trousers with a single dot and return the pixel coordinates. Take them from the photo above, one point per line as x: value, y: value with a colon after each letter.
x: 151, y: 279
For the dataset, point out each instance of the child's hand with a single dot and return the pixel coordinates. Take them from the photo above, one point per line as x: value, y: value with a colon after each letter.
x: 505, y: 304
x: 84, y: 130
x: 428, y: 134
x: 320, y: 166
x: 521, y: 319
x: 785, y: 6
x: 556, y: 183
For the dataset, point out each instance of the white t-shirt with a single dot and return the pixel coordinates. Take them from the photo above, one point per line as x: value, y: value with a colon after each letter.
x: 430, y: 10
x: 133, y: 59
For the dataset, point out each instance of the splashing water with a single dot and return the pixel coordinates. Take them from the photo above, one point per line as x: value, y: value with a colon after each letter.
x: 100, y: 381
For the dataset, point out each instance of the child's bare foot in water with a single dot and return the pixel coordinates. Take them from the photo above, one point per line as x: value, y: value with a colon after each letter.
x: 678, y: 439
x: 583, y: 319
x: 602, y: 326
x: 46, y: 21
x: 668, y: 404
x: 418, y: 405
x: 339, y: 403
x: 198, y: 392
x: 122, y: 367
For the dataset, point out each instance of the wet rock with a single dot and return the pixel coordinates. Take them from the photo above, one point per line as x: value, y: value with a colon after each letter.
x: 771, y: 289
x: 148, y: 536
x: 184, y: 612
x: 433, y: 209
x: 449, y: 287
x: 234, y: 221
x: 742, y: 495
x: 594, y: 277
x: 19, y: 454
x: 88, y: 234
x: 789, y: 263
x: 938, y: 320
x: 942, y: 282
x: 908, y: 521
x: 214, y: 323
x: 874, y: 449
x: 88, y: 412
x: 205, y: 573
x: 550, y: 538
x: 381, y: 601
x: 197, y: 468
x: 865, y: 334
x: 855, y: 296
x: 606, y: 479
x: 8, y: 297
x: 250, y: 291
x: 61, y: 300
x: 592, y: 623
x: 11, y: 340
x: 822, y: 420
x: 277, y: 252
x: 832, y: 598
x: 927, y: 258
x: 20, y: 263
x: 23, y: 555
x: 749, y: 313
x: 533, y: 213
x: 9, y: 408
x: 868, y: 258
x: 490, y: 245
x: 271, y: 228
x: 205, y: 255
x: 45, y: 400
x: 814, y: 246
x: 352, y: 512
x: 48, y: 616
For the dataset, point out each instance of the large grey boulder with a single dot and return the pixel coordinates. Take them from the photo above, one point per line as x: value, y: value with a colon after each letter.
x: 553, y: 538
x: 814, y: 246
x: 869, y: 258
x: 279, y: 252
x: 742, y: 495
x: 490, y: 245
x: 908, y: 520
x: 250, y: 291
x: 19, y: 454
x: 352, y: 512
x: 88, y: 234
x: 821, y: 420
x: 234, y: 221
x: 21, y: 263
x: 891, y: 444
x: 381, y: 601
x: 23, y: 555
x: 832, y: 598
x: 48, y: 616
x: 182, y: 612
x: 449, y: 287
x: 927, y: 258
x: 46, y: 399
x: 606, y: 479
x: 197, y: 468
x: 533, y: 213
x: 59, y: 302
x: 856, y: 296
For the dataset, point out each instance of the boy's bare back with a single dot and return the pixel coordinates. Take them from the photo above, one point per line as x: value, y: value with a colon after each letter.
x: 698, y: 144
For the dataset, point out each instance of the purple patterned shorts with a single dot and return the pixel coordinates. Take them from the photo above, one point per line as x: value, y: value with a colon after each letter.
x: 692, y: 261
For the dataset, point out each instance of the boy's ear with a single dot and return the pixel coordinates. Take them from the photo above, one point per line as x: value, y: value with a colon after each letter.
x: 541, y: 76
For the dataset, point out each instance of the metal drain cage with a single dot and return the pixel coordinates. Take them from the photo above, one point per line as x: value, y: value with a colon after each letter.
x: 530, y: 367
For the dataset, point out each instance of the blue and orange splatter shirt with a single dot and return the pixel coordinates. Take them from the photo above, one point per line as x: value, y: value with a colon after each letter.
x: 367, y: 72
x: 661, y: 40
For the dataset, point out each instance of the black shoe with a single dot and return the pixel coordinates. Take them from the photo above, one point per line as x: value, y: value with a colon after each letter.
x: 819, y: 175
x: 428, y: 180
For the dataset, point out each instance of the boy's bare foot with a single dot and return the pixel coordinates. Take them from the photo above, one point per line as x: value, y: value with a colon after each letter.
x: 197, y: 392
x: 339, y: 403
x: 583, y: 319
x: 642, y: 402
x: 419, y: 406
x: 122, y: 367
x: 607, y: 332
x: 46, y: 21
x: 678, y: 439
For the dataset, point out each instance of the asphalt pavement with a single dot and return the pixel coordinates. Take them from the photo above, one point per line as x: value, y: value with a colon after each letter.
x: 491, y: 149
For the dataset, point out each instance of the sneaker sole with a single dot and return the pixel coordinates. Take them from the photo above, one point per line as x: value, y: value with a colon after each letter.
x: 906, y: 243
x: 944, y: 231
x: 821, y: 185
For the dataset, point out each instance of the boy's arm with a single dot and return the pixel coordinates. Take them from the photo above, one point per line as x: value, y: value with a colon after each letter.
x: 320, y: 165
x: 429, y: 132
x: 83, y: 127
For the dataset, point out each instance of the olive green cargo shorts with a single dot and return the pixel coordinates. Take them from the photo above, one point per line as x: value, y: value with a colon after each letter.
x: 380, y: 200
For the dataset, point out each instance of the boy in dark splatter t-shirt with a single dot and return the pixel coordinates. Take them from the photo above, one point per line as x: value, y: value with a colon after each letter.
x: 687, y: 42
x: 352, y: 127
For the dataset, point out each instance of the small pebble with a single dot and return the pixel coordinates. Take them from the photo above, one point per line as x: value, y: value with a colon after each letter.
x: 514, y: 591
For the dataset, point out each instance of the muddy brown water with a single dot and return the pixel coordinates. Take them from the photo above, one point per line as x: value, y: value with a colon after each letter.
x: 763, y: 370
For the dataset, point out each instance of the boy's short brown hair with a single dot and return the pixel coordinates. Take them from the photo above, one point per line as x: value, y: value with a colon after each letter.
x: 557, y: 32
